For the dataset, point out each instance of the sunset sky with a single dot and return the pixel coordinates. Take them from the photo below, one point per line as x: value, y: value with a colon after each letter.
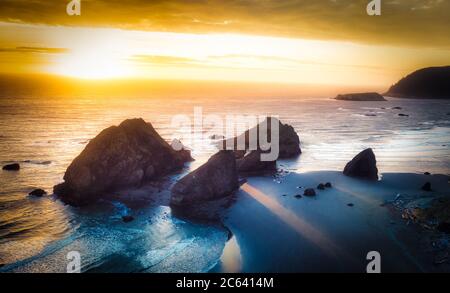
x: 331, y: 42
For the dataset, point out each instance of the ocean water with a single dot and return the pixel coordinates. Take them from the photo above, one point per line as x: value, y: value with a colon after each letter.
x: 44, y: 135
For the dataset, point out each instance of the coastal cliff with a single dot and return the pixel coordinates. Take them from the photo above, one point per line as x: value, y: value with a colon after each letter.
x: 426, y: 83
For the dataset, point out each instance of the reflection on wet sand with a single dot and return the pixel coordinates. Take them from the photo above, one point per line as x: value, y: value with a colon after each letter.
x: 231, y: 259
x: 302, y: 227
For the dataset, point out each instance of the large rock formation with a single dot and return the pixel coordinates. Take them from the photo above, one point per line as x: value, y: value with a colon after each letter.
x: 289, y: 142
x: 251, y: 163
x: 120, y: 156
x: 364, y: 165
x: 426, y: 83
x: 361, y: 97
x: 216, y: 179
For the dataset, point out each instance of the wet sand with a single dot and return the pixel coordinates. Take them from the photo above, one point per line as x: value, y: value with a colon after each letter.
x: 276, y: 232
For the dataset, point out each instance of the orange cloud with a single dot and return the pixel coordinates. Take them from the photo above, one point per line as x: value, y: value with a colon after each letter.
x: 408, y: 22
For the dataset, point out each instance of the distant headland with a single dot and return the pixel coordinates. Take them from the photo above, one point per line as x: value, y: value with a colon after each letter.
x: 426, y: 83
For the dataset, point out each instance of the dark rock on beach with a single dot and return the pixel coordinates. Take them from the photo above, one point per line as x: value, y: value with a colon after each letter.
x: 38, y: 192
x: 216, y: 179
x: 361, y: 97
x: 321, y: 186
x: 121, y: 156
x: 309, y: 192
x: 11, y: 167
x: 426, y: 83
x: 364, y: 165
x: 403, y: 115
x: 426, y: 187
x: 252, y: 163
x: 289, y: 142
x: 328, y: 185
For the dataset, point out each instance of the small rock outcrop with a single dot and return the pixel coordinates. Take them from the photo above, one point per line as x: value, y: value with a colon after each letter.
x: 289, y: 142
x: 216, y: 136
x: 309, y: 192
x: 364, y: 165
x: 38, y: 192
x: 215, y: 179
x: 252, y: 163
x: 121, y: 156
x: 361, y: 97
x: 11, y: 167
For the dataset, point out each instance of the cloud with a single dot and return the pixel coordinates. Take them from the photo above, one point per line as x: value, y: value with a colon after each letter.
x: 40, y: 50
x: 162, y: 60
x: 237, y: 61
x: 404, y: 22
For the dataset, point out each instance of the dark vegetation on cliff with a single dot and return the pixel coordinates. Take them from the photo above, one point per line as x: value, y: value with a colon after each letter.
x: 426, y: 83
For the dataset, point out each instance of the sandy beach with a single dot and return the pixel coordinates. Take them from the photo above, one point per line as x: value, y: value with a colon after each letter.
x: 277, y: 233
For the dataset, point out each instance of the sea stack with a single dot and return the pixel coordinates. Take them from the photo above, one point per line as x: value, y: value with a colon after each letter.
x: 251, y: 163
x: 364, y: 166
x: 215, y: 179
x: 289, y: 142
x: 361, y: 97
x: 121, y: 156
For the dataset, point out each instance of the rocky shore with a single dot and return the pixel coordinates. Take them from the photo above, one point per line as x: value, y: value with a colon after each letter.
x: 133, y: 153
